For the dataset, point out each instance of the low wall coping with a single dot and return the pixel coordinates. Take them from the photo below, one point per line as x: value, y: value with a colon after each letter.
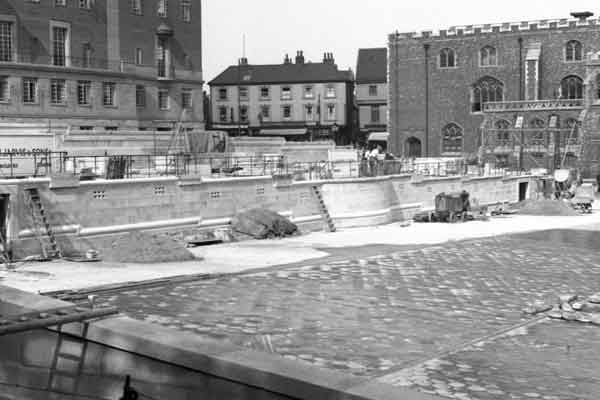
x: 129, y: 181
x: 220, y: 359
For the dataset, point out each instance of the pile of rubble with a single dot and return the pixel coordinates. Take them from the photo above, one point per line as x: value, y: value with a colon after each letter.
x: 570, y: 308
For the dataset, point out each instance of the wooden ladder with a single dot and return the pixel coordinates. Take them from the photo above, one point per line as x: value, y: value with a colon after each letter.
x: 323, y: 208
x: 42, y: 229
x: 68, y: 361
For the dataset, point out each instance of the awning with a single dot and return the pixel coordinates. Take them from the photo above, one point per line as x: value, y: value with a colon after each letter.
x: 379, y: 137
x: 283, y: 132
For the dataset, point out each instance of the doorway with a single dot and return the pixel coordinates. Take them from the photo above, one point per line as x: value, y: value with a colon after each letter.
x: 413, y: 147
x: 4, y: 221
x: 523, y: 191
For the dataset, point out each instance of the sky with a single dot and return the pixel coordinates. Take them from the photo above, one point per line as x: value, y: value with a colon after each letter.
x: 275, y: 27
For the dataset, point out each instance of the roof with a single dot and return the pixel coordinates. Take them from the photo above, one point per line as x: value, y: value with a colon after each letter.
x: 372, y: 66
x: 282, y: 73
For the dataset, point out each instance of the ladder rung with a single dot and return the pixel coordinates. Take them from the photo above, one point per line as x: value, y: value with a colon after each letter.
x: 69, y: 357
x: 65, y: 374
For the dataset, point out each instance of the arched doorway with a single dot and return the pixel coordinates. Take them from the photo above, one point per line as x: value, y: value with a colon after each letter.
x: 413, y: 147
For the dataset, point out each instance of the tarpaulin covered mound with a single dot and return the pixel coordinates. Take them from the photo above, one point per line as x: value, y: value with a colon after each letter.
x: 262, y: 224
x: 140, y: 247
x: 546, y: 207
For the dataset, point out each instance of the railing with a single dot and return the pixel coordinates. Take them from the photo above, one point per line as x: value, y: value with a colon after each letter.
x: 531, y: 137
x: 562, y: 104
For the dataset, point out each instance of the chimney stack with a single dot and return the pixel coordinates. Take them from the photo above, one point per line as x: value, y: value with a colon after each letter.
x: 243, y: 61
x: 300, y: 57
x: 328, y: 58
x: 287, y: 59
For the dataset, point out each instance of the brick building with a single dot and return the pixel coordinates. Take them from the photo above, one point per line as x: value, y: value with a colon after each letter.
x: 101, y: 64
x: 299, y: 100
x: 515, y: 88
x: 372, y: 91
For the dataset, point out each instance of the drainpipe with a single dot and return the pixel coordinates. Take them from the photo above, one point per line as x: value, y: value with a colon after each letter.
x: 426, y: 48
x: 521, y: 92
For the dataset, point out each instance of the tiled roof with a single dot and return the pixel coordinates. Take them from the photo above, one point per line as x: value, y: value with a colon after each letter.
x: 282, y: 73
x: 372, y: 66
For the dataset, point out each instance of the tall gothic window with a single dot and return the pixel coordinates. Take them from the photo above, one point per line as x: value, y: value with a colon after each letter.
x: 447, y: 58
x: 502, y: 132
x: 488, y: 56
x: 574, y: 51
x: 571, y: 87
x: 485, y: 90
x: 452, y: 139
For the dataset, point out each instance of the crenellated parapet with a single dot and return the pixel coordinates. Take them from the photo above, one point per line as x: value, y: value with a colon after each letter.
x: 505, y: 27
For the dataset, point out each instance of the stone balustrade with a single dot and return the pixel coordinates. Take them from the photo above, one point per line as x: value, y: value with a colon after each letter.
x: 530, y: 105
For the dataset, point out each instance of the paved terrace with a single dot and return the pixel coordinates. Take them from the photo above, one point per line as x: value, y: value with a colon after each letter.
x: 445, y: 318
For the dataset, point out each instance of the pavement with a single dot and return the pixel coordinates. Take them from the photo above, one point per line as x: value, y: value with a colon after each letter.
x: 251, y: 255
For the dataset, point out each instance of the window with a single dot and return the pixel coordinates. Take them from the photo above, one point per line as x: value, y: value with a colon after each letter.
x: 573, y: 51
x: 161, y: 58
x: 487, y: 89
x: 452, y: 139
x: 243, y: 114
x: 59, y: 45
x: 286, y: 93
x: 186, y: 10
x: 287, y: 112
x: 30, y: 91
x: 503, y: 132
x: 571, y: 87
x: 85, y: 4
x: 137, y: 7
x: 4, y: 89
x: 140, y: 96
x: 83, y: 92
x: 375, y: 114
x: 223, y: 114
x: 265, y: 113
x: 186, y: 99
x: 163, y: 99
x: 538, y: 135
x: 308, y: 92
x: 57, y: 91
x: 139, y: 56
x: 309, y: 111
x: 330, y: 92
x: 60, y: 3
x: 6, y: 41
x: 265, y: 92
x: 162, y: 8
x: 243, y: 93
x: 488, y: 57
x: 86, y: 61
x: 223, y: 94
x: 447, y: 58
x: 372, y: 90
x: 108, y: 94
x: 331, y: 112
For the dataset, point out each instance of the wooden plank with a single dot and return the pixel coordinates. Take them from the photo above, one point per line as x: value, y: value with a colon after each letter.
x: 27, y: 322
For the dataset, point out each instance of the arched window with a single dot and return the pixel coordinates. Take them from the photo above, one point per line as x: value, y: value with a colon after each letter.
x: 488, y: 56
x: 447, y: 58
x: 537, y: 137
x: 572, y: 133
x: 485, y: 90
x: 571, y: 87
x: 452, y: 139
x: 574, y: 51
x: 502, y: 132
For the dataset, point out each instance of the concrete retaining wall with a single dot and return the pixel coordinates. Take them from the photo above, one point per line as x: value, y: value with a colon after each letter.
x: 81, y: 211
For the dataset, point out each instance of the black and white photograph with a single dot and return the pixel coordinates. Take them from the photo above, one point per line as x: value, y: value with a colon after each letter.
x: 309, y: 200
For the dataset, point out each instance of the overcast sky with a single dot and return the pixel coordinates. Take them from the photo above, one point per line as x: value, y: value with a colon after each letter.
x: 276, y: 27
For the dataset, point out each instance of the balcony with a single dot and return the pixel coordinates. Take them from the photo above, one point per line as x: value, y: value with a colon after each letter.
x: 533, y: 105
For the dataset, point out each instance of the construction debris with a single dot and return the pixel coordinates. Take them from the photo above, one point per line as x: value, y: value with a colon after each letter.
x: 262, y: 224
x: 569, y: 307
x: 141, y: 247
x: 546, y: 207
